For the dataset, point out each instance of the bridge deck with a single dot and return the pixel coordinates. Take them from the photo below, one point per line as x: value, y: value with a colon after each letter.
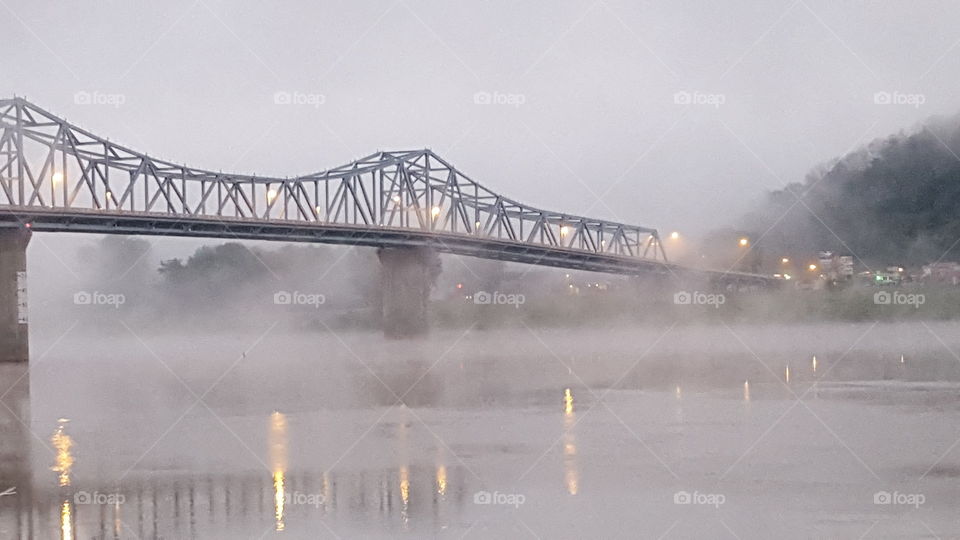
x: 232, y: 228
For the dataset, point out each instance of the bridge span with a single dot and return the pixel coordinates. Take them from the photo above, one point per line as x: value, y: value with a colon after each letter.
x: 58, y: 177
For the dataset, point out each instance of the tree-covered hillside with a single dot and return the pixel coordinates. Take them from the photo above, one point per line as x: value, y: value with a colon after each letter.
x: 895, y: 200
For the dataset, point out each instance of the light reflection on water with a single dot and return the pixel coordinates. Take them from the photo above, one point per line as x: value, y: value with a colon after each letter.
x: 66, y: 520
x: 571, y: 475
x: 157, y: 506
x: 414, y: 488
x: 441, y: 480
x: 278, y: 458
x: 64, y: 462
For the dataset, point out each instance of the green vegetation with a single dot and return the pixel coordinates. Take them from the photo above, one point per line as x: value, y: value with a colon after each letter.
x: 896, y: 200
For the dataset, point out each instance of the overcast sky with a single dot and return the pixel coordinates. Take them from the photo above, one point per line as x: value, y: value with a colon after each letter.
x: 585, y: 115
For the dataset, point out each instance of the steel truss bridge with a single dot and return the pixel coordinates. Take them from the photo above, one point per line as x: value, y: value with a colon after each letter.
x: 55, y: 176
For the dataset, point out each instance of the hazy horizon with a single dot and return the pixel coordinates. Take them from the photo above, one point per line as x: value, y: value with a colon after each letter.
x: 589, y: 122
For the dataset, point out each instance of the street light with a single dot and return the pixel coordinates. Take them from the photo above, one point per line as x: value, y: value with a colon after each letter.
x: 812, y: 267
x: 744, y: 242
x: 784, y: 260
x: 674, y: 235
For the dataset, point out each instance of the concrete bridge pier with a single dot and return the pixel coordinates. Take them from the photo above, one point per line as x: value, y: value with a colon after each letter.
x: 406, y: 277
x: 16, y: 485
x: 14, y: 342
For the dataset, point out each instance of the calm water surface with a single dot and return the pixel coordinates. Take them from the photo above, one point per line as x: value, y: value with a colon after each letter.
x: 696, y: 432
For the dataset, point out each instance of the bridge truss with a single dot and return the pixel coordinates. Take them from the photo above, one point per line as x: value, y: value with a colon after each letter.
x: 57, y: 176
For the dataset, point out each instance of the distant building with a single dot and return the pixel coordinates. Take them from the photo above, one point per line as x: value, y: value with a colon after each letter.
x: 942, y: 272
x: 845, y: 266
x: 835, y: 267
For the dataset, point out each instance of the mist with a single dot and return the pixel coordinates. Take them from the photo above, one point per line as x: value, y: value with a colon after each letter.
x: 238, y: 300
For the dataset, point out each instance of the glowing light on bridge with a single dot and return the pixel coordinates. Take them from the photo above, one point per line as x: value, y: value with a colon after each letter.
x: 813, y: 363
x: 744, y: 242
x: 812, y: 267
x: 786, y: 373
x: 564, y: 231
x: 271, y: 195
x: 435, y: 211
x: 784, y: 260
x: 746, y: 390
x: 56, y: 178
x: 674, y: 235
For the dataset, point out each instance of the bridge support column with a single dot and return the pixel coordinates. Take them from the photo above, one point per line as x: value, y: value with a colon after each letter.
x: 16, y: 514
x: 406, y: 278
x: 14, y: 343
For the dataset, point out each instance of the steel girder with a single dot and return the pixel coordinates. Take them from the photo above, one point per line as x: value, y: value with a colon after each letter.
x: 55, y: 176
x: 47, y: 163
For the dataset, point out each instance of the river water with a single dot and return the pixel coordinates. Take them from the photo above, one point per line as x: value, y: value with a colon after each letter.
x: 817, y: 431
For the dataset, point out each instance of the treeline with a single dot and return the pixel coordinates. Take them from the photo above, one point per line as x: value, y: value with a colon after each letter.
x: 894, y: 201
x: 229, y: 283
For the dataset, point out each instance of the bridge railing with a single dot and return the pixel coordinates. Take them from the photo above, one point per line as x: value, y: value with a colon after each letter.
x: 48, y: 163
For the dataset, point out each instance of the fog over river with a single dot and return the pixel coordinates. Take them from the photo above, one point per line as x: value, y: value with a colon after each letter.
x: 687, y: 431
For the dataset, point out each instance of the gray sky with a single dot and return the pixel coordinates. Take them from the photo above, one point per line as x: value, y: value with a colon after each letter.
x: 592, y: 125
